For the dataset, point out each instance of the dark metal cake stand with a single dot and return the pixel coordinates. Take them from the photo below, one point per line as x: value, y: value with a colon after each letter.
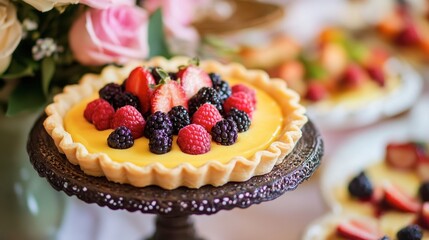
x: 174, y: 207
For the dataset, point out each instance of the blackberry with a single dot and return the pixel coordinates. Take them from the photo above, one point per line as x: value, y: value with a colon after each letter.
x: 410, y: 232
x: 109, y: 91
x: 120, y: 138
x: 179, y: 117
x: 158, y: 121
x: 160, y: 142
x: 360, y: 187
x: 205, y: 95
x: 124, y: 84
x: 240, y: 118
x: 225, y: 132
x: 126, y: 98
x: 424, y: 191
x: 216, y: 78
x: 221, y: 86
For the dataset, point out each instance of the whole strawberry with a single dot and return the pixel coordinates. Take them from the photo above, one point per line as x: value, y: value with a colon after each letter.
x: 139, y: 83
x: 241, y: 101
x: 194, y: 139
x: 102, y: 116
x: 131, y: 118
x: 207, y: 116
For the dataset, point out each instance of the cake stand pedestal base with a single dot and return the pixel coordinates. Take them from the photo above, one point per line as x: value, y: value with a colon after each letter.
x: 174, y: 207
x: 174, y: 227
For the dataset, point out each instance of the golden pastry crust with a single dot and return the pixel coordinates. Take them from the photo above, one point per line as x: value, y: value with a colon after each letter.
x: 185, y: 174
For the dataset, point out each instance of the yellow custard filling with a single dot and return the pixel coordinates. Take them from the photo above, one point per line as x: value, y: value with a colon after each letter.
x: 266, y: 125
x: 378, y: 173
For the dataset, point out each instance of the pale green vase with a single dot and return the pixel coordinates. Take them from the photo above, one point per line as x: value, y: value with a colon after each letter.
x: 30, y: 209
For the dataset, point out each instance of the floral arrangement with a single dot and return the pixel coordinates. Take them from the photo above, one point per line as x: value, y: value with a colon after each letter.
x: 47, y: 44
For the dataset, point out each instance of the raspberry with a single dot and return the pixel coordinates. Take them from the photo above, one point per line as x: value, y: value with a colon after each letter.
x: 194, y: 139
x: 221, y: 86
x: 109, y: 91
x: 225, y: 132
x: 131, y: 118
x: 91, y: 107
x: 126, y: 98
x: 179, y: 117
x: 207, y: 116
x: 102, y: 116
x: 205, y: 95
x: 120, y: 138
x: 410, y: 232
x: 240, y: 118
x: 160, y: 142
x: 241, y: 101
x: 158, y: 121
x: 243, y: 88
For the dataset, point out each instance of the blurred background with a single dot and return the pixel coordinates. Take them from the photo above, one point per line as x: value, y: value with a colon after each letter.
x: 360, y: 66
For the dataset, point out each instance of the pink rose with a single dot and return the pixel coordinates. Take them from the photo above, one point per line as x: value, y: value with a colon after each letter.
x: 113, y: 35
x: 102, y: 4
x: 177, y: 16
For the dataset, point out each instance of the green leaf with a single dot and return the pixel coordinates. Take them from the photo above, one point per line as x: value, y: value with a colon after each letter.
x: 18, y: 70
x: 157, y: 44
x: 27, y: 96
x: 48, y: 70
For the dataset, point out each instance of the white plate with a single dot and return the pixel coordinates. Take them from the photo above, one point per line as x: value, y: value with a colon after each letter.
x: 369, y: 147
x: 336, y: 117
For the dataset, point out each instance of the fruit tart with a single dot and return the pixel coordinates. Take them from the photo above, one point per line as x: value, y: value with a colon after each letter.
x: 347, y: 84
x: 355, y: 227
x: 176, y: 122
x: 394, y: 192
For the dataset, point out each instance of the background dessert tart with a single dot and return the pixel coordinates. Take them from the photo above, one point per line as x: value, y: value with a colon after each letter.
x: 210, y: 170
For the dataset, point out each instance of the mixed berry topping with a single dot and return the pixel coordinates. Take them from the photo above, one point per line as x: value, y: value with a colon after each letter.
x: 360, y: 186
x: 194, y: 139
x: 109, y: 91
x: 411, y: 232
x: 205, y: 95
x: 221, y: 86
x: 151, y: 103
x: 102, y: 116
x: 131, y: 118
x: 158, y: 121
x: 207, y: 116
x: 179, y: 117
x: 225, y: 132
x: 125, y: 98
x: 120, y: 138
x: 240, y: 118
x: 160, y: 141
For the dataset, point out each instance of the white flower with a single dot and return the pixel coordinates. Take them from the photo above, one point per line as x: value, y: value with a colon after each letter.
x: 10, y: 33
x: 27, y: 26
x: 45, y: 47
x: 46, y: 5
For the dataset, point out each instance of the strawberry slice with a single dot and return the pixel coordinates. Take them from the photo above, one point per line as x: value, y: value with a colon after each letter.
x: 139, y: 83
x: 354, y: 229
x: 400, y: 200
x: 193, y: 79
x: 167, y: 96
x: 402, y: 155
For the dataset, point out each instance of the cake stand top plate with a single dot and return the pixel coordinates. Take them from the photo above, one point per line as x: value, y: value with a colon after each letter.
x: 64, y: 176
